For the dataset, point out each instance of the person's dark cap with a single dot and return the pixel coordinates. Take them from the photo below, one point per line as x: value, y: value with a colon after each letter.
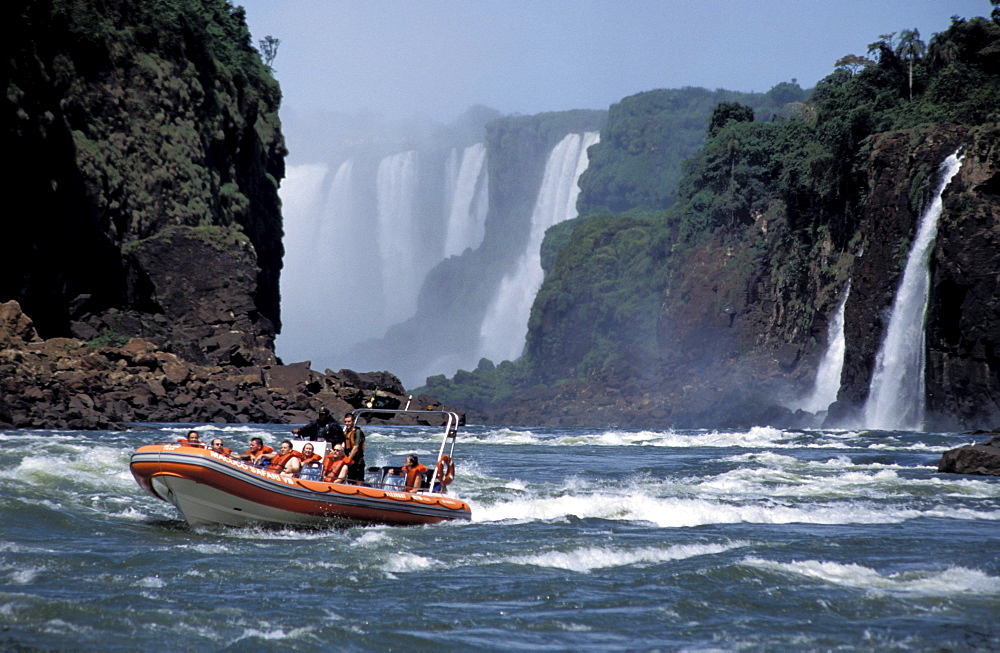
x: 324, y: 411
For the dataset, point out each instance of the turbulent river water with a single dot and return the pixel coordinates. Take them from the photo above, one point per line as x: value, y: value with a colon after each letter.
x: 580, y: 539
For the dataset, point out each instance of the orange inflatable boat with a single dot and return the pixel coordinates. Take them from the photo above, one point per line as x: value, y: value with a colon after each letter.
x: 210, y: 488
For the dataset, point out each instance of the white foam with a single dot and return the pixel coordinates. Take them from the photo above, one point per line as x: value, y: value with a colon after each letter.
x: 152, y: 582
x: 679, y: 512
x: 405, y: 562
x: 585, y: 560
x: 784, y: 476
x: 951, y: 581
x: 64, y: 628
x: 276, y: 634
x: 210, y: 549
x: 371, y: 537
x: 25, y: 576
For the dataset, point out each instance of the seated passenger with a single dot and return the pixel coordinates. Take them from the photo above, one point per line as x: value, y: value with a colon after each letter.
x: 256, y: 453
x: 285, y: 461
x: 218, y: 448
x: 335, y: 464
x: 309, y: 454
x: 414, y: 472
x: 192, y: 440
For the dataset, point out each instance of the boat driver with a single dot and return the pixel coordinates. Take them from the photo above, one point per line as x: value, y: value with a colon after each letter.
x: 324, y: 427
x: 354, y: 444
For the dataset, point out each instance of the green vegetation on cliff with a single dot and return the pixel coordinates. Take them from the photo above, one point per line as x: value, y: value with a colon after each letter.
x: 126, y: 118
x: 638, y: 161
x: 763, y: 225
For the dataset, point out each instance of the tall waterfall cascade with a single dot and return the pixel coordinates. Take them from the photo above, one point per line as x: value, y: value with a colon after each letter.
x: 896, y: 396
x: 827, y: 382
x: 505, y: 325
x: 402, y: 266
x: 361, y: 235
x: 468, y: 188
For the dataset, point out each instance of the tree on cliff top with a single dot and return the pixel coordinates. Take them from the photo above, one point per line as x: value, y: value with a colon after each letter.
x: 910, y: 48
x: 727, y: 112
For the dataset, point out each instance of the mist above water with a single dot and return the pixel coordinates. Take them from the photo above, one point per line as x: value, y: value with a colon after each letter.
x: 365, y: 224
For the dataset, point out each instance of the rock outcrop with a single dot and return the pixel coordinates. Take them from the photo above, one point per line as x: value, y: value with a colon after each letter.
x: 69, y: 383
x: 982, y: 459
x: 143, y: 201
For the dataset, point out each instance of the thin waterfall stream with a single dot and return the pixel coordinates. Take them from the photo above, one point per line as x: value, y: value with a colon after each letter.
x: 896, y: 396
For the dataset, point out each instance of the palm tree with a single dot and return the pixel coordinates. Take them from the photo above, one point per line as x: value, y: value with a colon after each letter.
x: 910, y: 48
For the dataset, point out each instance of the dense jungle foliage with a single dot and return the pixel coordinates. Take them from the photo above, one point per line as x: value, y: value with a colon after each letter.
x: 637, y: 164
x: 613, y: 267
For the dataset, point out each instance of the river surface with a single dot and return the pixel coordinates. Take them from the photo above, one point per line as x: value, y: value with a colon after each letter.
x: 581, y: 539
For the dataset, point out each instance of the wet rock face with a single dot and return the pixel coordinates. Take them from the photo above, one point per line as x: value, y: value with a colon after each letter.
x: 193, y: 293
x: 963, y: 317
x: 963, y: 325
x: 888, y: 222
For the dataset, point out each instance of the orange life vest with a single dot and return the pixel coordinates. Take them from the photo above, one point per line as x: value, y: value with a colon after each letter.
x: 412, y: 473
x: 255, y: 457
x: 278, y: 462
x: 331, y: 467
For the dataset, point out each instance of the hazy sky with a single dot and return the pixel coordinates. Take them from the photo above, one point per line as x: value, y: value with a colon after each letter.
x: 436, y: 58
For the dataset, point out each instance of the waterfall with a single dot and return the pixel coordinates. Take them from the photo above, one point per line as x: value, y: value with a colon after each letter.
x: 398, y: 235
x: 337, y: 211
x: 506, y: 322
x: 467, y: 195
x: 302, y: 194
x: 827, y: 382
x: 896, y: 398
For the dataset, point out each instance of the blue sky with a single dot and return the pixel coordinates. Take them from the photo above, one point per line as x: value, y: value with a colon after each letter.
x: 435, y: 58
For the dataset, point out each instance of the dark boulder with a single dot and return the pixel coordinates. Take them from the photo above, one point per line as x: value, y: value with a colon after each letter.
x: 982, y: 459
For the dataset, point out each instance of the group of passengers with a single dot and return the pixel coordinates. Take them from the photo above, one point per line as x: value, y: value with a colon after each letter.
x: 345, y: 460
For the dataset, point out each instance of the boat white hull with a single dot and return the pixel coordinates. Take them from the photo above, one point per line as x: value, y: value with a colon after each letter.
x: 212, y: 489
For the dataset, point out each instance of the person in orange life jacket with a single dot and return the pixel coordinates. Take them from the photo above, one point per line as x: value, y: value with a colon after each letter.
x: 256, y: 452
x: 218, y: 448
x: 413, y: 471
x: 192, y: 440
x: 285, y: 461
x: 309, y: 454
x: 354, y: 446
x: 335, y: 464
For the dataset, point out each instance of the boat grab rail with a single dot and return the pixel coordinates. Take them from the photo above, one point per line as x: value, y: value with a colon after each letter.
x: 450, y: 430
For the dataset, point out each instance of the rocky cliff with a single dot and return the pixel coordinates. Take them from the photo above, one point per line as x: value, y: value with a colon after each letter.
x: 963, y: 315
x: 142, y: 247
x: 148, y: 155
